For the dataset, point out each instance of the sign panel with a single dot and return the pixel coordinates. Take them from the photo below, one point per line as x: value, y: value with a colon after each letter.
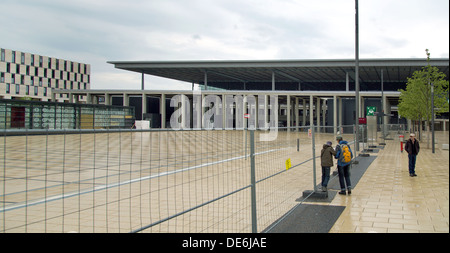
x: 370, y: 110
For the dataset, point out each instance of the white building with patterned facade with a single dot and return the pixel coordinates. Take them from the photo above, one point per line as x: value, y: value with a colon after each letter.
x: 32, y: 76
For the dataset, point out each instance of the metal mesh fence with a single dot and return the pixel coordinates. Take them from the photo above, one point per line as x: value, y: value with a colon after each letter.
x: 154, y: 180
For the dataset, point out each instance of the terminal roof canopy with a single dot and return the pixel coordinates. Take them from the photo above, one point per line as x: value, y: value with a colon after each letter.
x: 288, y: 74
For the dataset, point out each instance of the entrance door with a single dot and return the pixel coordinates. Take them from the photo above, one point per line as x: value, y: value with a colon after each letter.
x: 17, y: 117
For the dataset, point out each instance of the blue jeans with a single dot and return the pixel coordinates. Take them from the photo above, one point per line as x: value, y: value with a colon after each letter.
x: 412, y: 163
x: 344, y: 176
x: 325, y: 176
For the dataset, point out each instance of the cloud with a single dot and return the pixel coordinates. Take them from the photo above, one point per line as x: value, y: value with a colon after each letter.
x: 98, y: 31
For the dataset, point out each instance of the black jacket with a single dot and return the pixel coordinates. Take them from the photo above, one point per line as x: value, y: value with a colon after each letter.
x: 409, y: 147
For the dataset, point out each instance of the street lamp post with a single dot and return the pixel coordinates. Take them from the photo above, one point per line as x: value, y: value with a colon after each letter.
x: 356, y: 76
x: 432, y: 118
x: 432, y: 102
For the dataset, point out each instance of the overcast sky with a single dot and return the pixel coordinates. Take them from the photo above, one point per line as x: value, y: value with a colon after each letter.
x: 95, y: 32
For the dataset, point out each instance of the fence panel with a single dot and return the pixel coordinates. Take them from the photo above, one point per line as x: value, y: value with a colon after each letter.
x: 152, y: 180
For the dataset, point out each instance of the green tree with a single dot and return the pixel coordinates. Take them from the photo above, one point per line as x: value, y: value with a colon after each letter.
x: 415, y: 101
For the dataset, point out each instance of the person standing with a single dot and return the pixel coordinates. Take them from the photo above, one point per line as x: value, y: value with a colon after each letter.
x: 344, y: 155
x: 412, y: 147
x: 326, y: 160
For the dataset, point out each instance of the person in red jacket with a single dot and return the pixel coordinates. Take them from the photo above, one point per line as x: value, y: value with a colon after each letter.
x: 412, y: 147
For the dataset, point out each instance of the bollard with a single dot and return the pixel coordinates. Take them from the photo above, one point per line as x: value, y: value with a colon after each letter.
x: 400, y: 137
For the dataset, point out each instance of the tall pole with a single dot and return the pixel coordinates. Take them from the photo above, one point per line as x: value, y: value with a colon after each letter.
x: 432, y: 102
x: 382, y: 104
x: 356, y: 76
x: 432, y: 118
x: 253, y: 182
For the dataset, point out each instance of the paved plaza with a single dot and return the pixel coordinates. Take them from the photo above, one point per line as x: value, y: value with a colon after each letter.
x: 388, y: 200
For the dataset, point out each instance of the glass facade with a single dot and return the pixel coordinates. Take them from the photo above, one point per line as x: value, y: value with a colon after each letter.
x: 16, y: 114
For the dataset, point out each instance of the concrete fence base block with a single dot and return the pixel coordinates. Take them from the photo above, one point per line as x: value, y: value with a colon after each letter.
x: 315, y: 195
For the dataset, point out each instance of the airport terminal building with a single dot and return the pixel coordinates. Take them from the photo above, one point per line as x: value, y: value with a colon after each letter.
x: 317, y: 91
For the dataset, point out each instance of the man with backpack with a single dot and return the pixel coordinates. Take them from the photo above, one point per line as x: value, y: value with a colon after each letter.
x: 344, y: 156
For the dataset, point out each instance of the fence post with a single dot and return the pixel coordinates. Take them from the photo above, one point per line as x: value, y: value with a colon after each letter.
x: 355, y: 141
x: 314, y: 157
x: 253, y: 180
